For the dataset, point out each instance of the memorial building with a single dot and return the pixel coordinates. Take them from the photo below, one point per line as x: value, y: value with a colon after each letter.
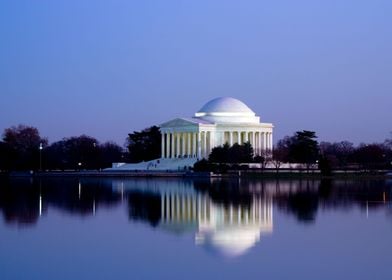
x: 223, y: 120
x: 220, y: 121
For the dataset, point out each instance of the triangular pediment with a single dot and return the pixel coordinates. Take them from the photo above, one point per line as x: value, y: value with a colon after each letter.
x: 179, y: 122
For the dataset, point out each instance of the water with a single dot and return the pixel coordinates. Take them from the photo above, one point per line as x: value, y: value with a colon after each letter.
x: 195, y: 229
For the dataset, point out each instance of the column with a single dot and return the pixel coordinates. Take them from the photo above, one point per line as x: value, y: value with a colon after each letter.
x: 178, y: 135
x: 162, y: 145
x: 209, y: 142
x: 183, y: 138
x: 255, y: 147
x: 231, y: 138
x: 261, y: 141
x: 239, y: 137
x: 194, y: 151
x: 189, y: 150
x: 271, y: 142
x: 212, y: 141
x: 254, y: 143
x: 167, y: 145
x: 199, y: 144
x: 268, y: 141
x: 172, y: 145
x: 204, y: 151
x: 246, y: 136
x: 222, y: 137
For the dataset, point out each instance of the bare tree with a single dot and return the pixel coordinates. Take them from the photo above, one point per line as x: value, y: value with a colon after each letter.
x: 279, y: 155
x: 264, y: 158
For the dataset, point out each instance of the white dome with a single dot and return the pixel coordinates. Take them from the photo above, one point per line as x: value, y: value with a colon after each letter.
x: 227, y: 110
x: 227, y: 105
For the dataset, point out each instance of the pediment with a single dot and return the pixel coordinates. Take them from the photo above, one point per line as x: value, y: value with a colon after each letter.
x: 179, y: 122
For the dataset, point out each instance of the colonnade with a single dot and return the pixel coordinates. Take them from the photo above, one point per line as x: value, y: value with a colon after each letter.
x: 200, y: 144
x: 185, y: 144
x: 260, y: 141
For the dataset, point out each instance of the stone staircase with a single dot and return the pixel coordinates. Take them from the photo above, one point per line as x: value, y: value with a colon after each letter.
x: 162, y: 164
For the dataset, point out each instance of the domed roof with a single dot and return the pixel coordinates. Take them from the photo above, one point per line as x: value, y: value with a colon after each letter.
x: 225, y: 105
x: 227, y: 110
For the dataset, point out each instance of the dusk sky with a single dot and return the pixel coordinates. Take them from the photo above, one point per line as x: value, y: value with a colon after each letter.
x: 107, y: 68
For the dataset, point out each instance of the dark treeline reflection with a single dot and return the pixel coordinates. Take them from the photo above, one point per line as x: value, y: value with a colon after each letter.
x: 144, y: 207
x: 23, y: 201
x: 181, y: 204
x: 304, y: 198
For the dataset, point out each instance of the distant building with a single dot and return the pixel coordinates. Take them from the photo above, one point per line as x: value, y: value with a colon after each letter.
x: 222, y: 120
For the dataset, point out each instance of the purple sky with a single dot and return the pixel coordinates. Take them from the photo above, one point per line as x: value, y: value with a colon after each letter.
x: 106, y: 68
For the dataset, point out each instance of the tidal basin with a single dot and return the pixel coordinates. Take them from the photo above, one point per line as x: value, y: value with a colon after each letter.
x: 150, y: 228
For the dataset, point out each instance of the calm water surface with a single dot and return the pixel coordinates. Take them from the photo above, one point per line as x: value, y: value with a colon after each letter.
x: 195, y: 229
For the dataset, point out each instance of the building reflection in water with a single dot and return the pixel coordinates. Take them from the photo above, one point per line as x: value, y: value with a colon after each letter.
x: 228, y: 229
x: 235, y: 229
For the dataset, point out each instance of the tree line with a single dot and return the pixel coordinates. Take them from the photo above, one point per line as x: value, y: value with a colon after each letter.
x: 304, y: 149
x: 23, y: 148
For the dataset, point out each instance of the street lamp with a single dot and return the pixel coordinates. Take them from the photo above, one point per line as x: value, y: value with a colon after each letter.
x: 40, y: 156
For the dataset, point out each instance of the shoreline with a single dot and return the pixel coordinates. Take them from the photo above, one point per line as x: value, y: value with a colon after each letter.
x: 253, y: 174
